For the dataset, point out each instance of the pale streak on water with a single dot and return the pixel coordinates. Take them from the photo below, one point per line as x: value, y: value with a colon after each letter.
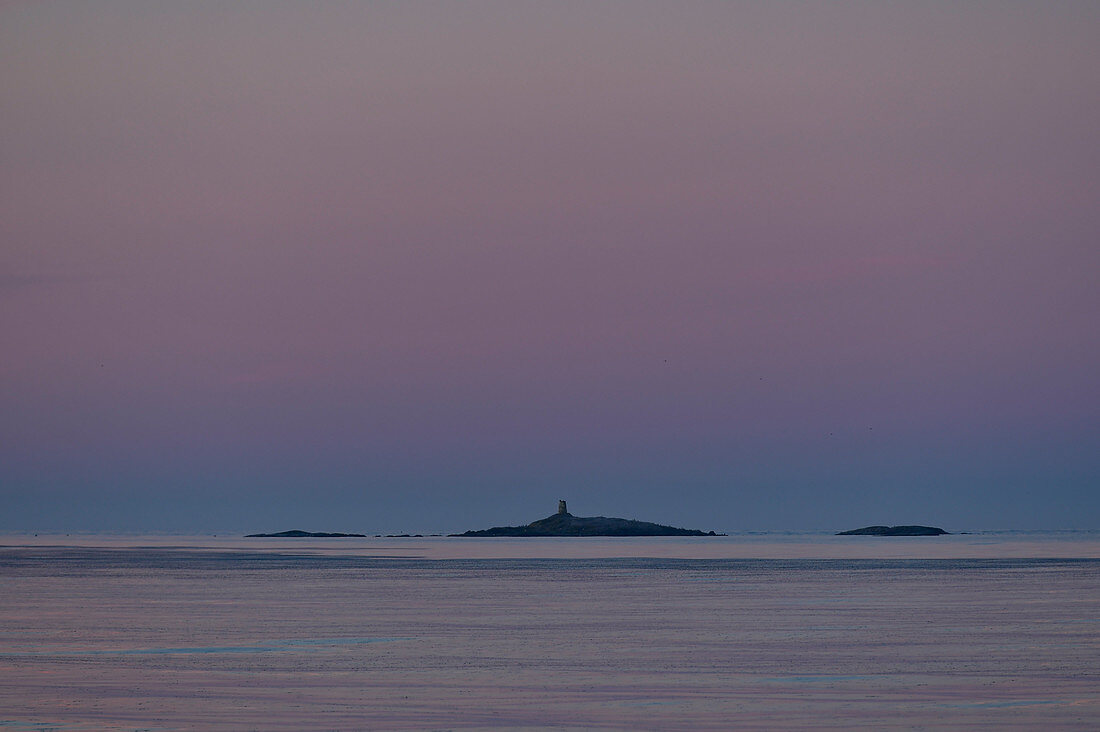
x: 998, y: 631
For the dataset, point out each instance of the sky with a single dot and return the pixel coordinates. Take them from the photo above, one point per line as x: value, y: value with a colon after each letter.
x: 397, y: 267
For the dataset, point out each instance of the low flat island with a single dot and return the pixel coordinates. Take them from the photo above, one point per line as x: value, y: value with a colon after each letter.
x: 895, y: 531
x: 564, y: 523
x: 299, y: 534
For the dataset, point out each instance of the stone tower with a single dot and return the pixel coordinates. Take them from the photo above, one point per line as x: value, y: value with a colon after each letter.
x: 561, y: 508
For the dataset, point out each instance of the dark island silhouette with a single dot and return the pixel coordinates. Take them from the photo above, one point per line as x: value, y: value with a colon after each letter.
x: 298, y: 534
x: 895, y: 531
x: 564, y: 523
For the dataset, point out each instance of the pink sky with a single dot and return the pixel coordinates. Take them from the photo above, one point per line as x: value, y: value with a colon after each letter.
x: 748, y: 265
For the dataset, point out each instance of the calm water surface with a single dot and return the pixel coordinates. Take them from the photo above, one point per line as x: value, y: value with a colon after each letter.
x: 752, y: 631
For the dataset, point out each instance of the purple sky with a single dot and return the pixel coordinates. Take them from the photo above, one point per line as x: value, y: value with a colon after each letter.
x: 432, y: 266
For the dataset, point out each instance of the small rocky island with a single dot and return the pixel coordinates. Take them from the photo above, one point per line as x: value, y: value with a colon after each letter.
x: 298, y: 534
x: 564, y: 523
x: 894, y: 531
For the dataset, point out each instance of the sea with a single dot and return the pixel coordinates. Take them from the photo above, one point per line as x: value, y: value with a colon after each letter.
x: 987, y: 630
